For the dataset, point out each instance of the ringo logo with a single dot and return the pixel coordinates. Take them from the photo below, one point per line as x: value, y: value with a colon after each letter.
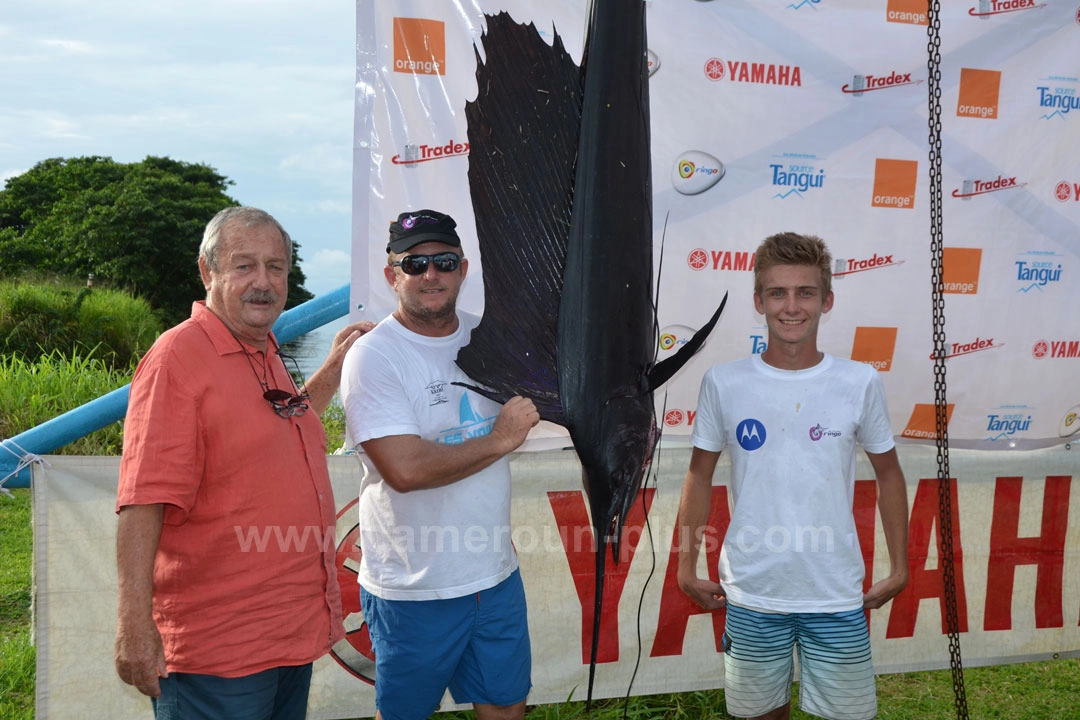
x: 419, y: 46
x: 979, y: 91
x: 960, y: 270
x: 874, y: 346
x: 894, y: 183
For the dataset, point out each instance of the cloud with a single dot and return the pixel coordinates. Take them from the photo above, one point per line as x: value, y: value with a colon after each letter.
x: 327, y: 270
x: 73, y: 47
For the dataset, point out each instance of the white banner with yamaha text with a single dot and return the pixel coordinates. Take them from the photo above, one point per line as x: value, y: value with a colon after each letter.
x: 1016, y: 536
x: 810, y: 116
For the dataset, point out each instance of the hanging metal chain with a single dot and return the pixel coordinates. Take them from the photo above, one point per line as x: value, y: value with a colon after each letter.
x: 945, y: 531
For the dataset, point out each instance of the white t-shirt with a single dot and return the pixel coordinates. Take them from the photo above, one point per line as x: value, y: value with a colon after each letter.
x: 440, y: 542
x: 792, y: 545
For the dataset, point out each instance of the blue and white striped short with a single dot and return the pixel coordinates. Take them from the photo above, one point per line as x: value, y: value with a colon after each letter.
x: 836, y: 672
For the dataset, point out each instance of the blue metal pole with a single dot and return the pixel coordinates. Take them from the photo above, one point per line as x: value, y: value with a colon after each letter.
x: 109, y: 408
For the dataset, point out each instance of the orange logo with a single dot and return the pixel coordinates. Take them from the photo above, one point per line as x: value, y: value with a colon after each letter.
x: 894, y: 183
x: 874, y: 346
x: 960, y: 270
x: 419, y: 46
x: 908, y: 12
x: 978, y: 93
x: 923, y: 422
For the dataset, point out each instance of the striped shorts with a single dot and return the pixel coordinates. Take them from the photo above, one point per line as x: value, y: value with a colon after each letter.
x: 836, y: 672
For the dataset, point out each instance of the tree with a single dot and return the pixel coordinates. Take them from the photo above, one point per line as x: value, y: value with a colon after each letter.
x: 134, y: 226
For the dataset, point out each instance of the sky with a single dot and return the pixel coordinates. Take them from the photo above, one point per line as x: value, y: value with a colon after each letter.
x: 260, y: 90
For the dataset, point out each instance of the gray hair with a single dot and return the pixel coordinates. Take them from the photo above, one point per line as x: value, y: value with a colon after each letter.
x: 245, y: 216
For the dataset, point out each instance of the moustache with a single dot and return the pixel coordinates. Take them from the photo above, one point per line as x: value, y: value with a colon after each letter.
x: 260, y: 296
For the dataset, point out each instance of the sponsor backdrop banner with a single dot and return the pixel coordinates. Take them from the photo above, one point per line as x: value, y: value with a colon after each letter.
x: 811, y: 116
x: 1016, y: 536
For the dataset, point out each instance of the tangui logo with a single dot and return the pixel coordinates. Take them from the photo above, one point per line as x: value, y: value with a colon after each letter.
x: 797, y: 177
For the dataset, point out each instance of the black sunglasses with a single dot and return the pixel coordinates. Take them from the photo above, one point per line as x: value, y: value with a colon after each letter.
x: 418, y: 264
x: 286, y: 404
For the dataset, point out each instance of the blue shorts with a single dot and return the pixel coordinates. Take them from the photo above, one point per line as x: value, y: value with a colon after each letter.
x: 274, y: 694
x: 476, y: 645
x: 836, y: 672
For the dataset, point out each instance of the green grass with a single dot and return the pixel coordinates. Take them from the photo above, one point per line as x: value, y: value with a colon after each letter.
x: 33, y: 392
x: 37, y: 318
x: 17, y: 656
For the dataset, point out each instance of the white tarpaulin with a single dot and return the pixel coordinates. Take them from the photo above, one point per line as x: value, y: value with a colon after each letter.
x: 1016, y: 532
x: 810, y: 116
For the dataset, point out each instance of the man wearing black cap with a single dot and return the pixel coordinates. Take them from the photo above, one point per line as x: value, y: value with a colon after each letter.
x: 440, y: 588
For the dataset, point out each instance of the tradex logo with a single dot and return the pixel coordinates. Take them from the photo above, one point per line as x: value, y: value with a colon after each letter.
x: 1065, y: 191
x: 971, y: 188
x: 986, y: 8
x: 865, y: 83
x: 847, y: 266
x: 701, y: 259
x: 759, y: 73
x: 976, y: 345
x: 1056, y: 349
x: 422, y: 153
x: 676, y: 417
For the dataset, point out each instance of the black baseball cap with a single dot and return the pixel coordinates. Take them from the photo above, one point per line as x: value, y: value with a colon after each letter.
x: 419, y: 226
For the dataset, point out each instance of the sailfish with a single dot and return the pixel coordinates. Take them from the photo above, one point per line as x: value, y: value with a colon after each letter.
x: 560, y: 179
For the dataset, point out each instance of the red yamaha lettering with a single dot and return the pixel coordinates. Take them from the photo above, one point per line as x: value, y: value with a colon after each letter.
x: 927, y: 582
x: 764, y: 74
x: 578, y: 542
x: 1008, y: 550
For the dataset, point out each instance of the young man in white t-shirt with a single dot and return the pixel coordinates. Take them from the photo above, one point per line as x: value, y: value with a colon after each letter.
x: 791, y: 571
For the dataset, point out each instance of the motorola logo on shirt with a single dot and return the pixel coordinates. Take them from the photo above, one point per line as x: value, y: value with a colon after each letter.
x: 751, y: 434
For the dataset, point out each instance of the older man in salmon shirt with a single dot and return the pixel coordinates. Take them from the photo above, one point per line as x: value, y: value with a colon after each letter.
x: 225, y: 539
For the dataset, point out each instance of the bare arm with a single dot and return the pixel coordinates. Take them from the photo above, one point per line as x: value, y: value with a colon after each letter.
x: 139, y: 654
x: 408, y: 462
x: 322, y: 385
x: 893, y: 508
x: 693, y: 518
